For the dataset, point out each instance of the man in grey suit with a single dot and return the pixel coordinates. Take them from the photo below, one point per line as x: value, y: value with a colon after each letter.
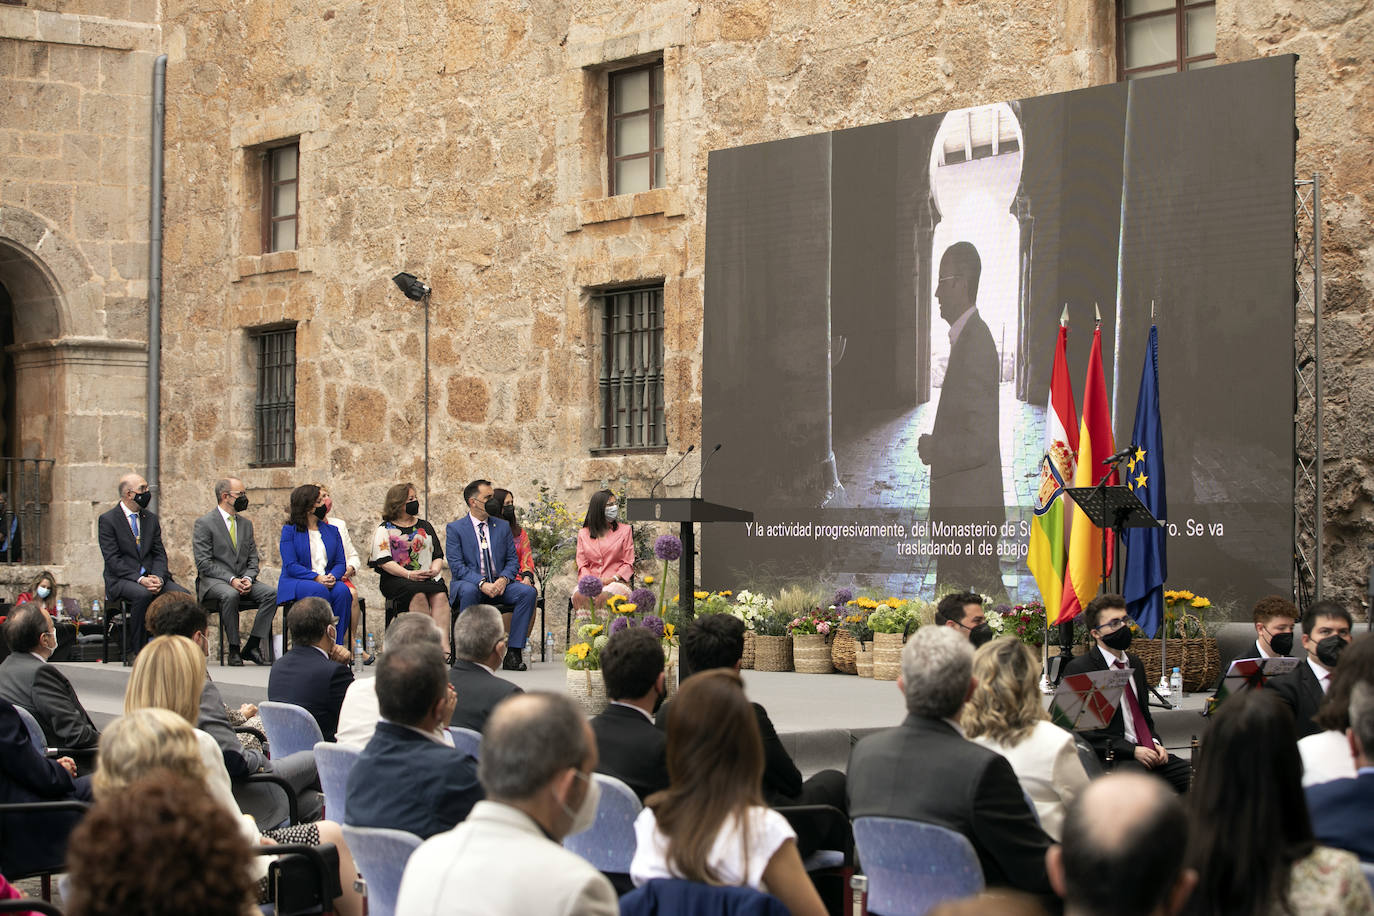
x: 479, y: 645
x: 227, y: 569
x: 27, y: 680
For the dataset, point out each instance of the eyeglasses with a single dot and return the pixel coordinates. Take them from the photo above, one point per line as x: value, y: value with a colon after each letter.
x: 1111, y: 626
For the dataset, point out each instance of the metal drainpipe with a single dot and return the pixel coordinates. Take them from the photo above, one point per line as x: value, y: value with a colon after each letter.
x: 154, y: 424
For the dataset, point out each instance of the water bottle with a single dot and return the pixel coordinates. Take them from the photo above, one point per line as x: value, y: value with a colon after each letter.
x: 95, y: 609
x: 548, y: 645
x: 1176, y: 684
x: 371, y: 645
x: 358, y: 654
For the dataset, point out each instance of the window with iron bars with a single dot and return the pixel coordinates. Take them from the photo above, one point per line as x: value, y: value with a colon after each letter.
x: 631, y: 384
x: 274, y: 411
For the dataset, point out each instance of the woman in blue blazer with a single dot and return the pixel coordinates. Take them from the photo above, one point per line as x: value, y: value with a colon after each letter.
x: 312, y: 557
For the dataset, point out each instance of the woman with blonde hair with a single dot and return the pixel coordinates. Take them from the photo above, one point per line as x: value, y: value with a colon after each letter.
x: 1006, y: 714
x: 168, y: 676
x: 43, y: 589
x: 711, y: 824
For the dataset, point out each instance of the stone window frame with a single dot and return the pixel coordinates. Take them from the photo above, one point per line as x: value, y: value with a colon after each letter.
x: 1177, y: 10
x: 269, y: 215
x: 274, y: 394
x: 655, y: 111
x: 253, y: 135
x: 612, y: 378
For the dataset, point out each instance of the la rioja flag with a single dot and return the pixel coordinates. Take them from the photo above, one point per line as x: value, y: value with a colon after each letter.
x: 1048, y: 539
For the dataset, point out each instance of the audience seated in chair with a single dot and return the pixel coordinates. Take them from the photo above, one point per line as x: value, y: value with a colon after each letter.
x: 481, y: 553
x: 180, y: 614
x: 226, y: 555
x: 360, y: 713
x: 1124, y: 843
x: 1343, y: 809
x: 1006, y: 714
x: 1325, y: 636
x: 631, y: 748
x: 711, y: 824
x: 164, y: 688
x: 1250, y: 837
x: 1326, y: 753
x: 409, y: 778
x: 315, y: 674
x: 479, y: 644
x: 717, y: 641
x: 159, y: 846
x: 33, y: 842
x: 926, y: 770
x: 312, y: 558
x: 27, y: 680
x: 538, y: 756
x: 135, y: 558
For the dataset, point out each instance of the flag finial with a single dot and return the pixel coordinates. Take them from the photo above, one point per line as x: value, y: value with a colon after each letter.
x: 1098, y: 312
x: 1152, y: 310
x: 1064, y: 316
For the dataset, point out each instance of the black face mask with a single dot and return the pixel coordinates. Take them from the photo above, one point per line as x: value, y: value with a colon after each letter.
x: 241, y: 503
x: 413, y: 507
x: 321, y: 512
x: 142, y: 499
x: 493, y: 507
x: 508, y: 513
x: 980, y: 635
x: 1118, y: 640
x: 1329, y: 650
x: 658, y: 704
x: 1281, y: 643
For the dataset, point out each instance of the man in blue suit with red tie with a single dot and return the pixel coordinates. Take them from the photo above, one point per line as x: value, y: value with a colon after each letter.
x: 481, y: 554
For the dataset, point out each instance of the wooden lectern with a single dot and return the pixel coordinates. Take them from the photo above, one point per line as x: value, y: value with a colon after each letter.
x: 686, y: 512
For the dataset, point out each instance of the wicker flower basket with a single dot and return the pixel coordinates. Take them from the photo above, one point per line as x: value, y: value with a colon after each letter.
x: 1198, y: 658
x: 588, y: 690
x: 669, y: 673
x: 811, y: 654
x: 747, y: 659
x: 887, y: 656
x: 863, y: 659
x: 842, y: 650
x: 772, y: 653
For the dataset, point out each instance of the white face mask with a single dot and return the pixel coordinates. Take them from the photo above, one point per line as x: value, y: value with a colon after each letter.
x: 585, y: 815
x: 42, y: 591
x: 612, y: 512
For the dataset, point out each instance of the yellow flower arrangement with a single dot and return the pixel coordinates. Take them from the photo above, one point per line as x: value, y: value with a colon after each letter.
x: 596, y: 630
x: 580, y: 650
x: 1201, y: 602
x: 701, y: 596
x: 669, y: 630
x: 648, y: 580
x: 725, y: 593
x: 625, y: 607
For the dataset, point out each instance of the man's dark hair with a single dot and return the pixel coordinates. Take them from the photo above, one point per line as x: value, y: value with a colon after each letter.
x: 471, y: 489
x: 712, y: 641
x: 966, y: 261
x: 630, y: 663
x: 25, y: 626
x: 1328, y: 609
x: 1271, y: 606
x: 529, y: 739
x: 1132, y: 869
x: 177, y: 614
x: 1101, y: 603
x: 309, y: 620
x: 951, y: 607
x: 409, y: 680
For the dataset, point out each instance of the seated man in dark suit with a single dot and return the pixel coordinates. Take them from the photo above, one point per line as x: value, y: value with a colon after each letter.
x: 408, y: 778
x: 926, y: 770
x: 1274, y: 616
x: 717, y: 641
x: 479, y: 644
x: 631, y: 748
x: 135, y: 559
x: 315, y: 673
x: 1129, y: 739
x: 481, y: 553
x: 27, y: 680
x: 29, y: 842
x: 179, y: 614
x: 1325, y: 634
x: 1342, y: 810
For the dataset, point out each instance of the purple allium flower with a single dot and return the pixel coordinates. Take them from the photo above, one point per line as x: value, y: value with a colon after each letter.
x: 643, y: 600
x: 842, y: 597
x: 589, y: 586
x: 619, y: 624
x: 667, y: 547
x: 654, y: 624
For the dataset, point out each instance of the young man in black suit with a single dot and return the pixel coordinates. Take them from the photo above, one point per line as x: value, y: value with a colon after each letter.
x: 479, y: 645
x: 926, y: 770
x: 1130, y: 736
x: 631, y: 748
x: 1325, y: 634
x: 135, y: 559
x: 315, y: 674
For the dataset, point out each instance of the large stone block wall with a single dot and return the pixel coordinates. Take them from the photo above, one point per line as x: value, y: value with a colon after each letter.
x: 465, y: 144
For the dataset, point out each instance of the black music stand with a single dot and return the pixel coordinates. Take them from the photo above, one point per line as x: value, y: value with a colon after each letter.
x: 1117, y: 508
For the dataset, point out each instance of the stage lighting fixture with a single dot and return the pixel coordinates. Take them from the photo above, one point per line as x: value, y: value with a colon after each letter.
x: 413, y: 287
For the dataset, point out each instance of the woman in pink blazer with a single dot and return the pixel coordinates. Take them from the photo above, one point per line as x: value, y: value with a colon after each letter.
x: 605, y: 549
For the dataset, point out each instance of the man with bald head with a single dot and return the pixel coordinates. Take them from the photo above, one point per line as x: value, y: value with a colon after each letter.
x: 1122, y: 855
x: 135, y: 560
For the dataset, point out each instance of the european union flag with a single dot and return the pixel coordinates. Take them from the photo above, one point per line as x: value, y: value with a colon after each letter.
x: 1146, y: 567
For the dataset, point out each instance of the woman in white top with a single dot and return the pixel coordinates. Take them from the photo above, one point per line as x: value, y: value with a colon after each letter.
x: 1006, y: 714
x: 169, y: 675
x: 711, y: 824
x: 1326, y: 755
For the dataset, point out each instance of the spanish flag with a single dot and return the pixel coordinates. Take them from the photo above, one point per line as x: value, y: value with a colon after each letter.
x: 1094, y: 444
x: 1047, y: 535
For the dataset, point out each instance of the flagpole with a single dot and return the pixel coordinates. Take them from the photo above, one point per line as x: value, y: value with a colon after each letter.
x: 1163, y: 688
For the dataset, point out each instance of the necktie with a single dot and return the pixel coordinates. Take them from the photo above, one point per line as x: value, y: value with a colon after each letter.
x: 1143, y: 738
x: 487, y: 567
x: 138, y: 540
x: 233, y: 531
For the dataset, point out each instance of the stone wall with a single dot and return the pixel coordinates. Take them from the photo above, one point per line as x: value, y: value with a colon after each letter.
x: 465, y: 144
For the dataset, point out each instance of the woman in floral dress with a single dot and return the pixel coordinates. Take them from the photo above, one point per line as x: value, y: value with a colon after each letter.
x: 409, y: 557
